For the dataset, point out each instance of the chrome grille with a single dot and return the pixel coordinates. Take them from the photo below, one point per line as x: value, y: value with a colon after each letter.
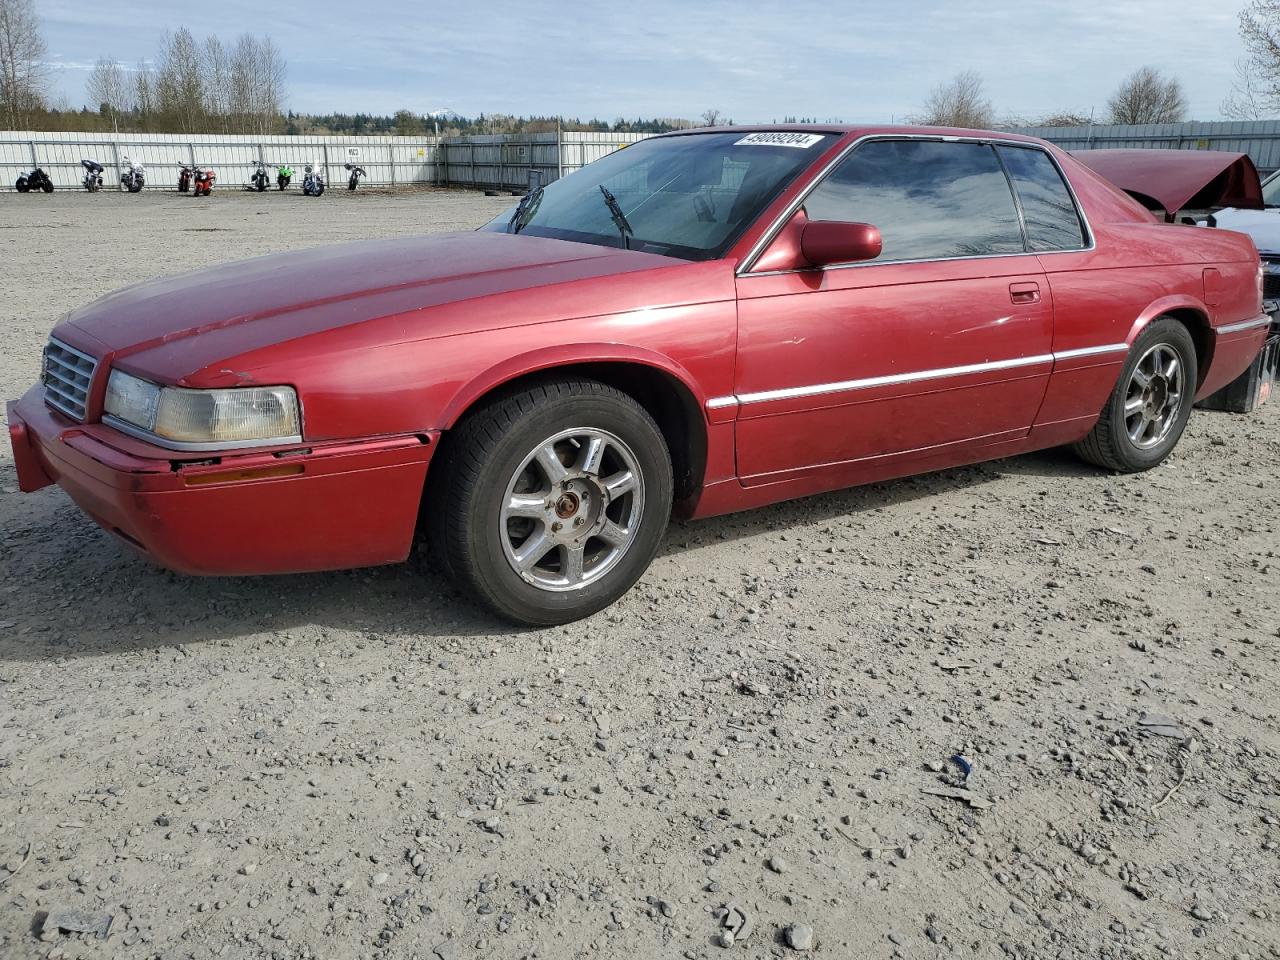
x: 66, y: 376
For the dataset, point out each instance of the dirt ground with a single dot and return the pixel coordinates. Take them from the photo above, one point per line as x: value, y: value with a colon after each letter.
x: 363, y: 764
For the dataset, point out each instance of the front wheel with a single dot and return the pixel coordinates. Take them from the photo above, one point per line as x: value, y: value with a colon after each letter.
x: 1147, y: 411
x: 47, y: 186
x: 550, y: 503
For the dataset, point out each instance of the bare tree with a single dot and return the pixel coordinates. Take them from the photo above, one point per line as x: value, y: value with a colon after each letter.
x: 179, y: 83
x: 144, y: 94
x: 272, y: 71
x: 215, y: 65
x: 1065, y: 118
x: 960, y: 102
x: 711, y: 118
x: 23, y: 73
x: 1147, y: 96
x: 1247, y: 99
x: 256, y: 84
x: 108, y: 88
x: 1258, y: 77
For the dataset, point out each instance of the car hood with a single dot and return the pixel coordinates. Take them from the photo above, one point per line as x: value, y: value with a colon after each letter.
x: 241, y: 306
x: 1262, y: 226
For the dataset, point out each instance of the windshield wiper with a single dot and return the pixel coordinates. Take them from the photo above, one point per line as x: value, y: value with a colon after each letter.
x: 529, y: 202
x: 619, y: 218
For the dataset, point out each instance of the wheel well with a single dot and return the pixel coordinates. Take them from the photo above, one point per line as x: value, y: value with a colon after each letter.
x: 670, y: 403
x: 1197, y: 325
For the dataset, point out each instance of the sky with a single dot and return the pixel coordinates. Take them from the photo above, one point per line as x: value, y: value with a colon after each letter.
x: 752, y: 61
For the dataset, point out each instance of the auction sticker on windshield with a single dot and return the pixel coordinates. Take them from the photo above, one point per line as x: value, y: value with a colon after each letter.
x: 802, y: 141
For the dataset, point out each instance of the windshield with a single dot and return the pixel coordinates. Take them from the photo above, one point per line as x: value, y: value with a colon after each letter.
x: 687, y: 196
x: 1271, y: 190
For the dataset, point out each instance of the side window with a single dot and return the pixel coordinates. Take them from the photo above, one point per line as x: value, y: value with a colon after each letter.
x: 1053, y: 223
x: 931, y: 199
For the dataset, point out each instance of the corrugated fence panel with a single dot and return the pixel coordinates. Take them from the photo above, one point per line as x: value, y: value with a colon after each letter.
x: 1260, y: 139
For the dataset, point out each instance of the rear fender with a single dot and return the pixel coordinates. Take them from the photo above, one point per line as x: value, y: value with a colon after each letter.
x: 1176, y: 303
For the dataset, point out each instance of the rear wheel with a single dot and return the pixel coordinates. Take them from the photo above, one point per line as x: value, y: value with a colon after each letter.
x: 1151, y: 403
x: 550, y: 503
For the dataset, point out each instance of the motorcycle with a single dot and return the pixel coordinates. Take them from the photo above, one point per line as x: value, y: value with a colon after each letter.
x: 204, y: 179
x: 185, y: 174
x: 37, y: 179
x: 312, y: 181
x: 258, y: 179
x: 133, y: 175
x: 92, y: 175
x: 353, y: 181
x: 284, y: 173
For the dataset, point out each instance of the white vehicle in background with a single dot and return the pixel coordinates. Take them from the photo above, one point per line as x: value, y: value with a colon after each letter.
x: 1264, y: 227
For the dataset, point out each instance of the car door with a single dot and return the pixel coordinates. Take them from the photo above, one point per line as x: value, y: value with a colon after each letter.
x: 945, y: 339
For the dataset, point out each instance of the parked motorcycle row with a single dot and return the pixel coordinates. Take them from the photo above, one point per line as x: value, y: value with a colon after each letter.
x: 197, y: 181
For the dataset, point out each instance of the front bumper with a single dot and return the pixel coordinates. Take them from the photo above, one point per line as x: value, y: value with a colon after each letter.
x: 320, y: 507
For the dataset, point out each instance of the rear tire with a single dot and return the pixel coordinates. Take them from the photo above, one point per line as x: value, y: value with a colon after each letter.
x: 1148, y: 410
x: 542, y: 544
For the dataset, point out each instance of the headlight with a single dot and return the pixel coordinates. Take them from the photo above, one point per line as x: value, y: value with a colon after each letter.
x: 204, y: 418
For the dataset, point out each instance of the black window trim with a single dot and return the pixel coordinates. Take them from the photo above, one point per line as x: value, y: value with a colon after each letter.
x: 744, y: 268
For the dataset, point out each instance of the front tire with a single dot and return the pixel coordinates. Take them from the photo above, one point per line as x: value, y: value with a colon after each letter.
x: 550, y: 503
x: 1148, y: 410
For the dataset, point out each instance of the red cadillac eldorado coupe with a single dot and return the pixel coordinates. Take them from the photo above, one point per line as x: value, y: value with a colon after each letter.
x: 703, y: 322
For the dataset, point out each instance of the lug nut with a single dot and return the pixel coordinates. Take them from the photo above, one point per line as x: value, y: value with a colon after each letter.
x: 555, y: 527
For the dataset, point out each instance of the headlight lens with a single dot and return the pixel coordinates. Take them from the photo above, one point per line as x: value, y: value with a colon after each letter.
x: 205, y: 417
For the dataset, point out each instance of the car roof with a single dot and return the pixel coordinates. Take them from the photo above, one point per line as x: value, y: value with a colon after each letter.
x: 862, y: 129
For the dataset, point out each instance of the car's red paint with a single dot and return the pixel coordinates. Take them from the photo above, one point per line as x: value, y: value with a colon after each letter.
x: 829, y: 242
x: 390, y: 343
x: 347, y: 504
x: 1172, y: 180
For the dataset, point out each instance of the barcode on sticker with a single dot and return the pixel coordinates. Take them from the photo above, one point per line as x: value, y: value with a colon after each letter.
x: 802, y: 141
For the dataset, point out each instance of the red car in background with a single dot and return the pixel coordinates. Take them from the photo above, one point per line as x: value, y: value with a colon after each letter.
x: 703, y: 322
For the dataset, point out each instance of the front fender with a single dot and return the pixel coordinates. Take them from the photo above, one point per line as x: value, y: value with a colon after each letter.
x: 563, y: 355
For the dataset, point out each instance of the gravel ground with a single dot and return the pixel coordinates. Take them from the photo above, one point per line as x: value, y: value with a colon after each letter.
x: 362, y: 764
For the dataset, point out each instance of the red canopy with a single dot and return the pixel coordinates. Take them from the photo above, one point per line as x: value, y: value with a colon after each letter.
x: 1173, y: 180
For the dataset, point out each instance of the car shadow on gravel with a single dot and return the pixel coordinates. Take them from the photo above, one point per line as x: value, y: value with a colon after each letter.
x: 86, y: 595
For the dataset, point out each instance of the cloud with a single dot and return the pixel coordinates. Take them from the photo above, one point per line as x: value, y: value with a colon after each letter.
x: 754, y: 62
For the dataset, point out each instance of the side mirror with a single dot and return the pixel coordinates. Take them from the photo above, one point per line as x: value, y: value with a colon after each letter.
x: 826, y: 242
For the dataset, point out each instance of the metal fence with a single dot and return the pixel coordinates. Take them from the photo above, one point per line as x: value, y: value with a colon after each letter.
x: 498, y: 162
x: 501, y: 161
x: 1260, y: 139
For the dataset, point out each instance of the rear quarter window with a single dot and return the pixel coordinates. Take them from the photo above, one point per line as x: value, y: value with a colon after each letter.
x: 1049, y: 212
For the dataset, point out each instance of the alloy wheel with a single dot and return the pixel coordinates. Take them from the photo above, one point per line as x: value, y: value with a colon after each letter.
x: 1153, y: 397
x: 572, y: 509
